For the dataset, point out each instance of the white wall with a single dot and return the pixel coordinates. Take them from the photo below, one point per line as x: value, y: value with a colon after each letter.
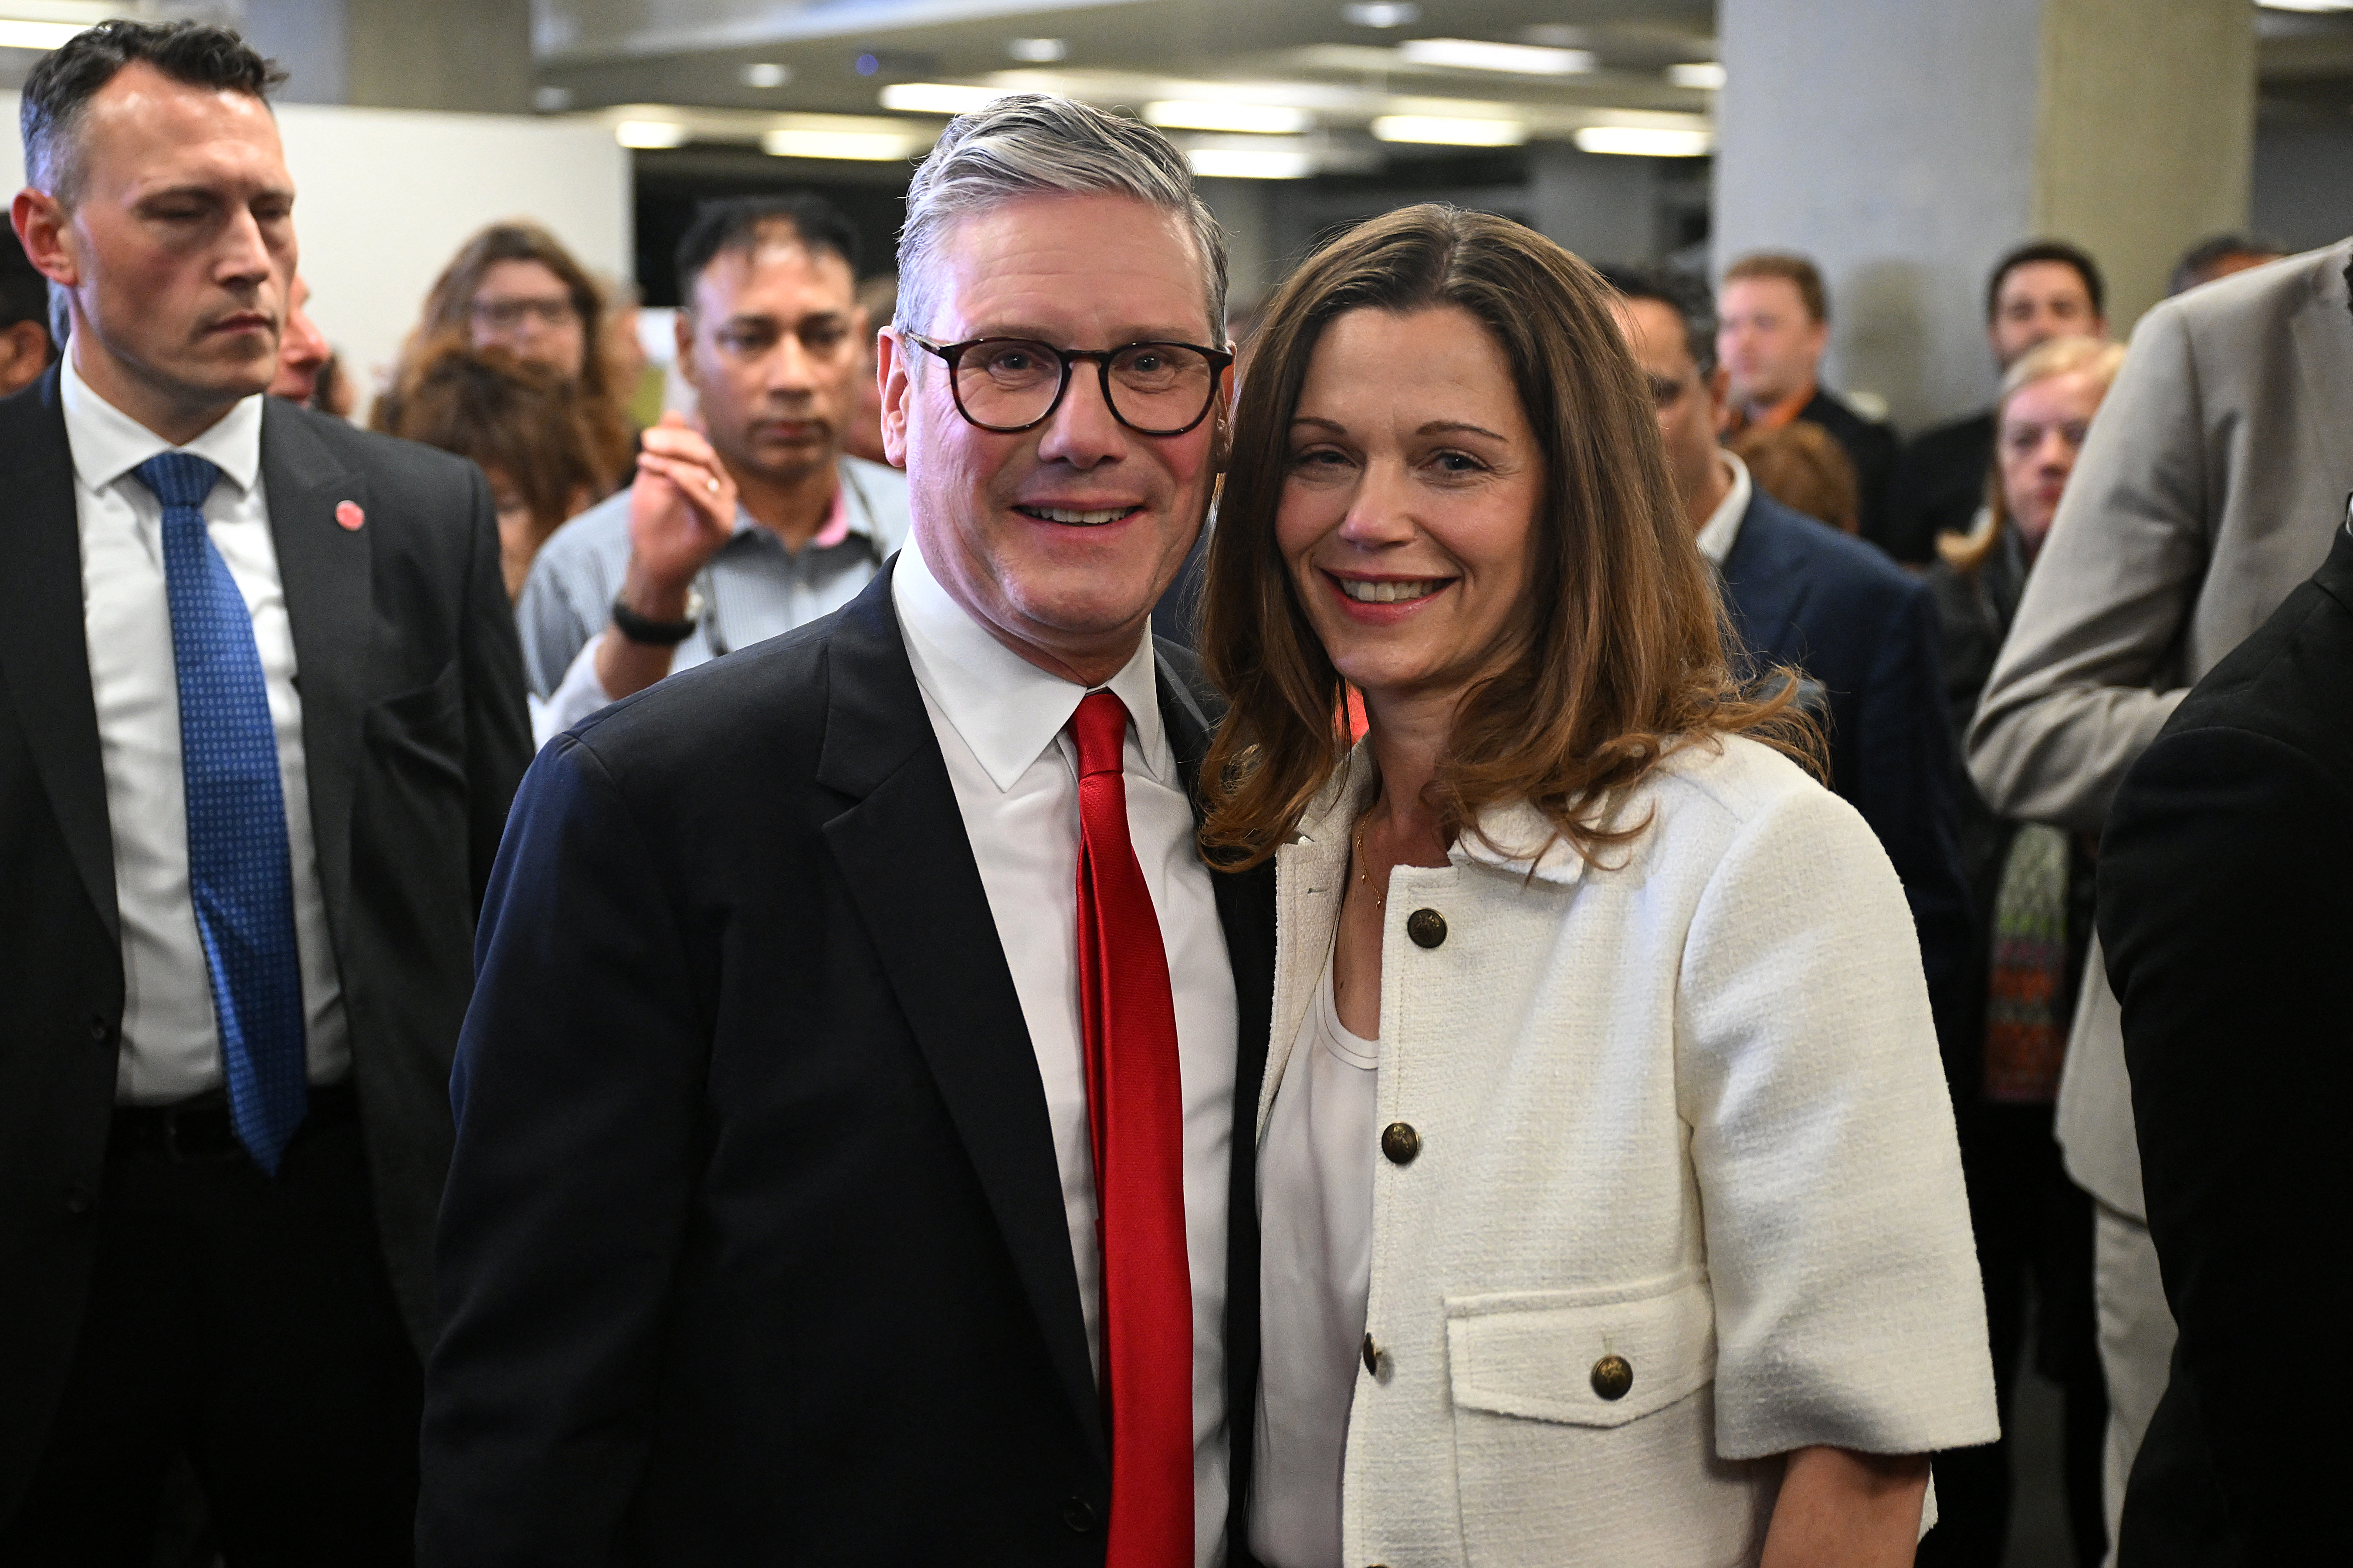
x: 384, y: 196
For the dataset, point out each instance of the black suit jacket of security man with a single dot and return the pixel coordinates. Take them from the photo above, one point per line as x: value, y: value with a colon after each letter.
x: 414, y: 735
x: 1864, y: 631
x: 754, y: 1249
x: 2226, y: 913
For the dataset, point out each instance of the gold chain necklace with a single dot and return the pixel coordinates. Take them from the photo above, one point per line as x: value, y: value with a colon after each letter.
x: 1364, y: 872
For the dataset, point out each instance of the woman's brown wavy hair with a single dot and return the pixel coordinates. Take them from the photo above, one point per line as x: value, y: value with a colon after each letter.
x: 448, y: 324
x: 1620, y: 654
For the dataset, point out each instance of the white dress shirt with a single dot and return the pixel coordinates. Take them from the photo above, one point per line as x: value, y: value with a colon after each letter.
x: 1316, y: 1175
x: 170, y: 1041
x: 1721, y: 531
x: 1000, y: 723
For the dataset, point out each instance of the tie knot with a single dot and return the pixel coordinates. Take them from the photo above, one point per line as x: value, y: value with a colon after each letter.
x: 178, y: 478
x: 1100, y: 728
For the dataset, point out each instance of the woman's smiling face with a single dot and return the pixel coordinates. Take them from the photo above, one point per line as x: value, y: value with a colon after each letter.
x: 1407, y: 518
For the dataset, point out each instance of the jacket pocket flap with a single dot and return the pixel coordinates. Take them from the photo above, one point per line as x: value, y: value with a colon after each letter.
x: 1593, y: 1358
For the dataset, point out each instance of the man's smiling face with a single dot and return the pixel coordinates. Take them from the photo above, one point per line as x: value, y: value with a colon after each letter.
x: 1057, y: 539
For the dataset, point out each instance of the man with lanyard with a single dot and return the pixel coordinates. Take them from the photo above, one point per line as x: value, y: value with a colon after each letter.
x: 750, y: 524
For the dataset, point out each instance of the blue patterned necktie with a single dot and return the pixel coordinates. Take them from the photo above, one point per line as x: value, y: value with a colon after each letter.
x: 240, y: 872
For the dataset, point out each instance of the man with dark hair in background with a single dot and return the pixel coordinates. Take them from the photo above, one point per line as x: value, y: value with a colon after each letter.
x: 1800, y: 593
x: 24, y: 346
x: 261, y: 715
x: 1773, y: 327
x: 751, y: 521
x: 2218, y: 257
x: 2043, y: 289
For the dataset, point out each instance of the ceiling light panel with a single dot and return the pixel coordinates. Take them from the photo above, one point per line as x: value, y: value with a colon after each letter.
x: 1644, y: 141
x: 1249, y: 163
x: 1039, y: 51
x: 16, y: 33
x: 1705, y: 74
x: 766, y: 74
x: 864, y: 146
x: 1476, y: 54
x: 938, y: 97
x: 1382, y: 14
x: 1444, y: 131
x: 650, y: 133
x: 1255, y: 119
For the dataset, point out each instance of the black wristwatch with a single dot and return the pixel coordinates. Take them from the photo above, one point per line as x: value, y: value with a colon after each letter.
x: 638, y: 628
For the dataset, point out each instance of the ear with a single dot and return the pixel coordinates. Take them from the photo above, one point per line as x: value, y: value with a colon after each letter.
x: 1718, y: 386
x: 47, y: 234
x: 681, y: 328
x: 892, y: 374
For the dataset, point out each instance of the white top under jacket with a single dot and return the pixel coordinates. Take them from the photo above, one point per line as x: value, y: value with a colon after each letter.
x: 1001, y: 723
x: 1684, y: 1108
x: 171, y: 1039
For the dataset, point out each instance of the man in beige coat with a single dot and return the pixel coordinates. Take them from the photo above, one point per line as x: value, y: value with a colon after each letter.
x: 2210, y: 487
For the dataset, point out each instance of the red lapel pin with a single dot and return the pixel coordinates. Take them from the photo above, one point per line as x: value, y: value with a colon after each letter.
x: 349, y: 514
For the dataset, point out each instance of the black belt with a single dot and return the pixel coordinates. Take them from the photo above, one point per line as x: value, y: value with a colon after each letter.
x: 198, y: 1128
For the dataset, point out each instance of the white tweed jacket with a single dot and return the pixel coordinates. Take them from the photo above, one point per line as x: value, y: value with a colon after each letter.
x: 1682, y: 1109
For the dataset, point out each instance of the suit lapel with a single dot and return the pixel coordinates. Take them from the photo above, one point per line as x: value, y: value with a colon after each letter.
x: 325, y: 569
x: 2319, y: 329
x: 44, y: 656
x: 906, y: 862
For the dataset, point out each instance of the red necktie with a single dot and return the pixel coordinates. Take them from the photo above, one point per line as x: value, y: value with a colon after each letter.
x: 1135, y: 1114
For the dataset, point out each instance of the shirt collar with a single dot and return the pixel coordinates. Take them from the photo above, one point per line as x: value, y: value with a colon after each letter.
x: 107, y: 443
x: 1005, y: 709
x: 843, y: 517
x: 1721, y: 531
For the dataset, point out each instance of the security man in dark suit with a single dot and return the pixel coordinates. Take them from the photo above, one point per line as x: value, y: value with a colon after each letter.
x: 261, y: 715
x: 2226, y: 913
x: 1860, y: 631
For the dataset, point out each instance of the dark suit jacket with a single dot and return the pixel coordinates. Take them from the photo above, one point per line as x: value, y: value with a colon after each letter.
x: 1874, y: 448
x: 1940, y: 482
x: 1800, y: 593
x: 2226, y: 913
x: 414, y: 735
x: 754, y: 1249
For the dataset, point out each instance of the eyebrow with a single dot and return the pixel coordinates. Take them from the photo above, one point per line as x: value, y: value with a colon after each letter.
x: 1434, y: 428
x: 1118, y: 336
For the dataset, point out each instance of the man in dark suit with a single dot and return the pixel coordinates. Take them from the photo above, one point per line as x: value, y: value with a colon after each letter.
x: 261, y: 714
x: 853, y: 1157
x: 2225, y: 913
x: 1860, y: 631
x: 2043, y: 289
x: 1774, y: 324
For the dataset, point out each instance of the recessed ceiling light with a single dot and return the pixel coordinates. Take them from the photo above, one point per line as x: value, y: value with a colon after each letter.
x: 1243, y: 163
x: 2307, y: 6
x: 767, y: 73
x: 1446, y: 132
x: 1259, y: 118
x: 1383, y: 13
x: 1039, y: 51
x: 1706, y: 74
x: 1644, y: 141
x: 650, y: 133
x: 938, y: 97
x: 550, y: 100
x: 866, y: 146
x: 1476, y: 54
x: 17, y: 35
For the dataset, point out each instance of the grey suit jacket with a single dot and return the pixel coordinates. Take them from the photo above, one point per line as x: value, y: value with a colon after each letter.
x: 2210, y: 487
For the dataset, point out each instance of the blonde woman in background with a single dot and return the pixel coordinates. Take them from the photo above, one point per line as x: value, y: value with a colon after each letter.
x: 2030, y: 897
x: 1610, y: 1210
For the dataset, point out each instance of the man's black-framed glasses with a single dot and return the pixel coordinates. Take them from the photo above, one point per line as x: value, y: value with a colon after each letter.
x: 1011, y: 384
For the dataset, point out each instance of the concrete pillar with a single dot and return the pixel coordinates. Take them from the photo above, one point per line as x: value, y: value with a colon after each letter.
x: 462, y: 56
x: 1603, y: 207
x: 1905, y: 147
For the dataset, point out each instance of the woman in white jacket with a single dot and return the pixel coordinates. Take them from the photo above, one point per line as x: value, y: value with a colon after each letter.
x: 1607, y: 1181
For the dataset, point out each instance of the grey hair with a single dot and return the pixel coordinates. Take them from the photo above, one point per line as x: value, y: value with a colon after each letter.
x: 1030, y: 143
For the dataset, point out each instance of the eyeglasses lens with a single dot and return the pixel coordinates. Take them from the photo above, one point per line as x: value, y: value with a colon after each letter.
x: 1156, y: 388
